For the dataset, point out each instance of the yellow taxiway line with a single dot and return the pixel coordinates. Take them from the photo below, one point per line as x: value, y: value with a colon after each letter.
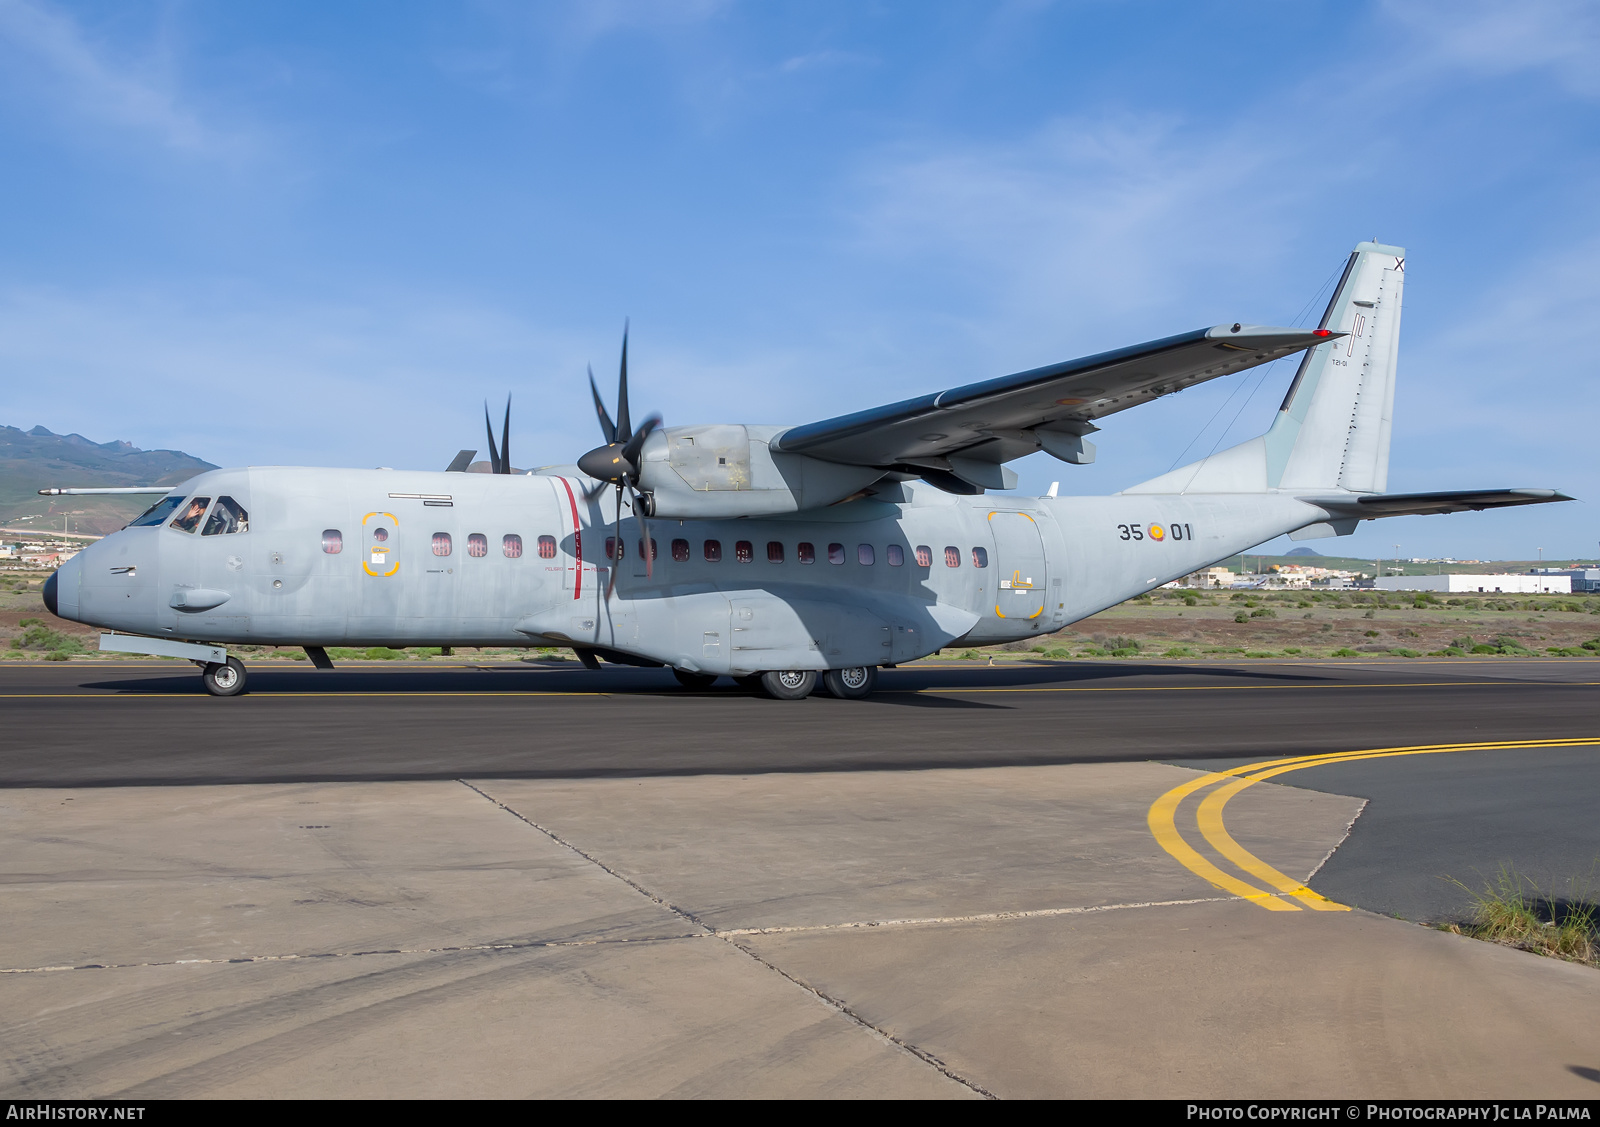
x: 1162, y: 820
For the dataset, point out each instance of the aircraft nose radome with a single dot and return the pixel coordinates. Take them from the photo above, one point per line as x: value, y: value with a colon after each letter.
x: 50, y: 594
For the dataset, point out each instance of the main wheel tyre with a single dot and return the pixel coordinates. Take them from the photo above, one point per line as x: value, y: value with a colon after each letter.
x: 851, y: 684
x: 224, y: 680
x: 788, y: 684
x: 694, y: 680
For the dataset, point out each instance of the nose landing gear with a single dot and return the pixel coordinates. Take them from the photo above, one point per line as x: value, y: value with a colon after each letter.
x: 224, y: 679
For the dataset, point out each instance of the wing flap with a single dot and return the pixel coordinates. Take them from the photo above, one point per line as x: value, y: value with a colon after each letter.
x: 1067, y: 397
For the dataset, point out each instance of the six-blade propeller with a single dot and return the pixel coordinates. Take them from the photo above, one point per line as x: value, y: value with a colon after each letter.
x: 617, y: 464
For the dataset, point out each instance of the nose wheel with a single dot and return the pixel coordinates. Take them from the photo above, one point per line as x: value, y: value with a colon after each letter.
x: 224, y: 679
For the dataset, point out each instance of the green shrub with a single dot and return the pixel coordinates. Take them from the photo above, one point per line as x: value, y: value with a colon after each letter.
x: 969, y: 655
x: 1401, y: 651
x: 1263, y: 613
x: 1448, y: 651
x: 381, y: 653
x: 30, y: 622
x: 1178, y: 651
x: 1259, y: 653
x: 1242, y: 616
x: 1344, y: 651
x: 1292, y: 650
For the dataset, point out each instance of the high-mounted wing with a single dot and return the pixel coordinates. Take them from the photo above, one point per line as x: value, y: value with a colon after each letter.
x: 967, y: 432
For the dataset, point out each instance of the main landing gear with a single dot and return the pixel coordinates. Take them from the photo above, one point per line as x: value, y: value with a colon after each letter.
x: 224, y: 679
x: 797, y: 684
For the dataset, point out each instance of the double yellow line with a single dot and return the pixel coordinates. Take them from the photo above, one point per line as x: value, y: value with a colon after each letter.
x: 1281, y: 890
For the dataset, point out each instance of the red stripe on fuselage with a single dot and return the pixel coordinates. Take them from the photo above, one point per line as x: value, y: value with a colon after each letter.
x: 577, y: 540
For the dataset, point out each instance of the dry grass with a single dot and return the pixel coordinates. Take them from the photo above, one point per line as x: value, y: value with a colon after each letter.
x: 1512, y: 910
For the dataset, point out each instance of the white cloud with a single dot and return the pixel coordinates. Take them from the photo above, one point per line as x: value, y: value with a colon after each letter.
x: 1561, y: 37
x: 81, y: 78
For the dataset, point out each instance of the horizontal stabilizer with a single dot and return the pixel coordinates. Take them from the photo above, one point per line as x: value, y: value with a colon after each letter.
x: 1372, y: 505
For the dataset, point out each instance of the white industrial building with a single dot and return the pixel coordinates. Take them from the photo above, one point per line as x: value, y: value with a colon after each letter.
x: 1507, y: 584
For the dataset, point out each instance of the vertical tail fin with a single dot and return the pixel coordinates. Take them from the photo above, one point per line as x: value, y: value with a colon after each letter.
x: 1332, y: 431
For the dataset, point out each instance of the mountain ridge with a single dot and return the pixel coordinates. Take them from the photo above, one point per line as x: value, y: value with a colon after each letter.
x: 31, y: 460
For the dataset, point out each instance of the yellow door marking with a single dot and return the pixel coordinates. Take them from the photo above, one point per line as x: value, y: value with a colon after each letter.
x: 1162, y: 818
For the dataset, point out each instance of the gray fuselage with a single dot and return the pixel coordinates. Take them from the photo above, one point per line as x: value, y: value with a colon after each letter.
x: 402, y: 558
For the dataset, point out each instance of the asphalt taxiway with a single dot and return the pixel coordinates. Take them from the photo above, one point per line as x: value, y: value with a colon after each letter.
x: 1071, y: 879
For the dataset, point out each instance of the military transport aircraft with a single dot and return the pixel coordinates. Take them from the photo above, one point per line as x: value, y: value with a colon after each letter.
x: 775, y: 555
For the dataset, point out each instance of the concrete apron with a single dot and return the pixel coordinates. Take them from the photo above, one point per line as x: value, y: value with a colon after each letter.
x: 1006, y: 931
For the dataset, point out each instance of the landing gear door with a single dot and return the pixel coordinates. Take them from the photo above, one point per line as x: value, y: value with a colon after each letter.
x: 1019, y: 559
x: 380, y: 545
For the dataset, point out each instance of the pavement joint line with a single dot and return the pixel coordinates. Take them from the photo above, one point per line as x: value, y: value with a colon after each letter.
x: 836, y: 1005
x: 1162, y: 817
x: 536, y: 944
x: 465, y: 948
x: 979, y: 917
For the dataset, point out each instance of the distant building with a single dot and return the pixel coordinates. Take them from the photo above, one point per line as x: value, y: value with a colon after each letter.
x: 1585, y: 580
x: 1488, y: 584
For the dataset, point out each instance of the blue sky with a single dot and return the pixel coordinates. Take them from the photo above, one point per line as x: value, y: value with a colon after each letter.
x: 324, y: 234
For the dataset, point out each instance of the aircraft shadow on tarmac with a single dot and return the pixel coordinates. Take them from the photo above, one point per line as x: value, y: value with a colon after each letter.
x: 899, y: 686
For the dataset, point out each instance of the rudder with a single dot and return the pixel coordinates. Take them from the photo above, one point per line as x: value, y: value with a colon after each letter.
x: 1333, y: 429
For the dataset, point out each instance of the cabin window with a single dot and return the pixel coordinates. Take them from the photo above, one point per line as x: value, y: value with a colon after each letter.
x: 680, y: 551
x: 924, y: 556
x: 864, y: 555
x: 188, y: 519
x: 744, y: 551
x: 952, y: 557
x: 477, y: 545
x: 652, y: 549
x: 547, y: 547
x: 613, y: 548
x: 441, y: 543
x: 774, y: 551
x: 980, y: 557
x: 380, y: 534
x: 332, y: 541
x: 511, y: 545
x: 805, y: 552
x: 897, y: 555
x: 713, y: 551
x: 228, y: 517
x: 157, y: 513
x: 836, y: 553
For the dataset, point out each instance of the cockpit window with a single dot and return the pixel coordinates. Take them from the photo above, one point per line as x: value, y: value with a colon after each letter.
x: 228, y: 517
x: 188, y: 519
x: 156, y: 513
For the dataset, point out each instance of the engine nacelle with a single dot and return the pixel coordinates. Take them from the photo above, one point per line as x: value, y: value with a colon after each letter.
x: 730, y: 470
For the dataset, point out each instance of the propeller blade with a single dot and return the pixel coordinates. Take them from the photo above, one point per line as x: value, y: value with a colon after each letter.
x: 630, y: 452
x: 644, y: 535
x: 608, y: 429
x: 505, y: 439
x: 488, y: 429
x: 595, y: 490
x: 624, y: 425
x: 617, y: 549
